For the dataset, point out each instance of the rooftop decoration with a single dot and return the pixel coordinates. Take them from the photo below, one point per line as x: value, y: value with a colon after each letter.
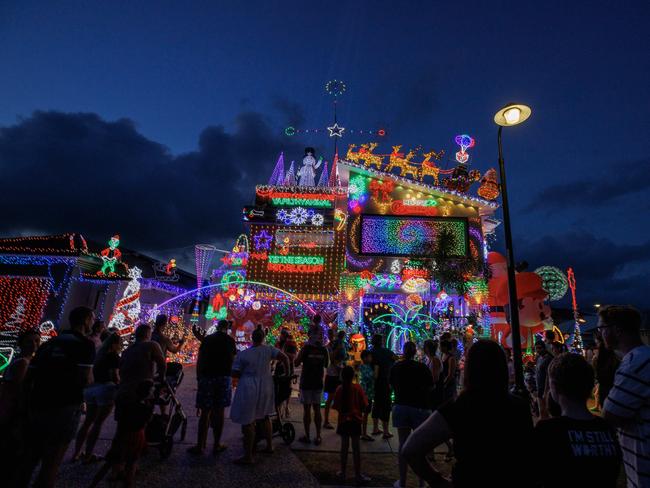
x: 110, y: 256
x: 554, y: 282
x: 489, y: 188
x: 307, y: 174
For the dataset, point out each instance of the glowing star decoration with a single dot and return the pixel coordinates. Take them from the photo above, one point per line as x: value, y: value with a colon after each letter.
x: 127, y: 309
x: 554, y: 282
x: 336, y: 130
x: 262, y: 240
x: 110, y: 256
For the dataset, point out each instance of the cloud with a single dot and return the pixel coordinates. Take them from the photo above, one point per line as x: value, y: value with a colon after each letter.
x: 292, y: 112
x: 624, y: 180
x: 78, y: 172
x: 605, y: 270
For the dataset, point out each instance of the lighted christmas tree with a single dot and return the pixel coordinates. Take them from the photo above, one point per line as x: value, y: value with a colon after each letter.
x: 290, y: 177
x: 323, y: 180
x: 576, y: 345
x: 127, y: 309
x: 277, y: 178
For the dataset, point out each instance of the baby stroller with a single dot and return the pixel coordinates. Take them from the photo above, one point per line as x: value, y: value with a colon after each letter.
x: 161, y: 429
x: 286, y: 430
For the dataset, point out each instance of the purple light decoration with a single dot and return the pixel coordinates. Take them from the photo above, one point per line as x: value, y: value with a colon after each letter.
x: 324, y: 176
x: 202, y: 257
x: 262, y: 240
x: 358, y: 263
x: 277, y: 177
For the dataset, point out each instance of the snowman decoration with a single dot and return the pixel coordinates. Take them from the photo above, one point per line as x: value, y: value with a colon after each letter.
x: 307, y: 174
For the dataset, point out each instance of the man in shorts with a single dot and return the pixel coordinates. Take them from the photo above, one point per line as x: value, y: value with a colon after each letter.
x: 314, y: 359
x: 213, y: 370
x: 59, y: 372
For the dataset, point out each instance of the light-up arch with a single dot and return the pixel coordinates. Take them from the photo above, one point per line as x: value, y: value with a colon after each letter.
x: 197, y: 291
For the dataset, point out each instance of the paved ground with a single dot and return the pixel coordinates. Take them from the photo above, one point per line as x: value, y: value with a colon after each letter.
x: 282, y: 468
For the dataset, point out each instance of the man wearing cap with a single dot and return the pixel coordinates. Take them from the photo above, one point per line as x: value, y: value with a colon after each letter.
x: 213, y: 370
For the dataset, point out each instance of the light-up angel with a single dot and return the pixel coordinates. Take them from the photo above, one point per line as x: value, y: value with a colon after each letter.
x: 307, y: 174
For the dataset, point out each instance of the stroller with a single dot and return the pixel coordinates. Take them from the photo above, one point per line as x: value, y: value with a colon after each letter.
x: 161, y: 429
x: 286, y: 430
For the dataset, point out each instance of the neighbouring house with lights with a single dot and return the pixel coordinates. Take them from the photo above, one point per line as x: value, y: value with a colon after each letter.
x: 357, y: 243
x: 42, y: 278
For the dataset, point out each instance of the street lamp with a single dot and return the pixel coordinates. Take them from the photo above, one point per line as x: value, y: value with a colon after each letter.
x: 511, y: 114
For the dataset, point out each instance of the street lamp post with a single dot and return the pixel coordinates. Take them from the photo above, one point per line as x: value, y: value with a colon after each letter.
x: 511, y: 114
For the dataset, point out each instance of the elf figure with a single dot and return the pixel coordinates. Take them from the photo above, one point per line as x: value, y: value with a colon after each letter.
x: 111, y: 255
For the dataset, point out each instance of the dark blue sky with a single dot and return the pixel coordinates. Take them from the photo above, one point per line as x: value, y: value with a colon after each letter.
x: 169, y: 112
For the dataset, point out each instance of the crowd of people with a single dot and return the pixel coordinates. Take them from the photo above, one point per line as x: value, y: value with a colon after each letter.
x: 493, y: 435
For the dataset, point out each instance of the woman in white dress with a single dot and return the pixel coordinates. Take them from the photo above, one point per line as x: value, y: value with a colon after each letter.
x: 254, y: 398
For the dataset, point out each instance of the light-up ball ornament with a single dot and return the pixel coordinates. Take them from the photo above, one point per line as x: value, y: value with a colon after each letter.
x: 290, y: 131
x: 554, y: 282
x: 381, y: 132
x: 256, y: 305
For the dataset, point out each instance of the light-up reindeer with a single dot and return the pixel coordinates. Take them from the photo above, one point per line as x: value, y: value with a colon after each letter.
x: 403, y: 163
x: 370, y: 159
x: 351, y: 155
x: 429, y: 167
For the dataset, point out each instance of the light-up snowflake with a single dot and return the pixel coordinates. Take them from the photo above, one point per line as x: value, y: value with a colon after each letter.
x: 317, y: 219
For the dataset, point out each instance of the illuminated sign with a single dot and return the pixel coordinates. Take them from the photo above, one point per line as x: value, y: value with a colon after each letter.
x: 415, y: 207
x: 277, y: 259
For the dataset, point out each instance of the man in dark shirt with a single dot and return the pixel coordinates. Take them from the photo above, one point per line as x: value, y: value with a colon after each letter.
x: 382, y: 361
x: 412, y: 382
x: 314, y: 359
x: 214, y: 393
x: 58, y: 374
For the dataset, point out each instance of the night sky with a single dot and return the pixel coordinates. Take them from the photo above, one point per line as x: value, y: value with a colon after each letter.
x: 155, y: 119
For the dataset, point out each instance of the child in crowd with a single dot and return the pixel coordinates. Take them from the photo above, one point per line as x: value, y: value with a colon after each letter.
x: 367, y: 382
x: 350, y: 402
x: 129, y: 440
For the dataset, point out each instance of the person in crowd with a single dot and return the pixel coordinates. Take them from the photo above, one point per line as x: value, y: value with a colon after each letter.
x: 282, y: 379
x: 143, y: 360
x: 336, y: 351
x: 58, y: 374
x: 558, y: 348
x: 605, y: 364
x: 367, y: 382
x: 97, y: 331
x: 253, y: 399
x: 544, y: 358
x: 159, y: 335
x: 99, y: 397
x: 531, y: 386
x: 12, y: 397
x: 458, y: 356
x: 412, y: 382
x: 432, y: 361
x: 549, y: 339
x: 628, y: 403
x: 350, y: 402
x: 511, y: 367
x: 481, y: 446
x: 213, y: 369
x: 382, y: 360
x: 447, y: 380
x: 129, y: 441
x: 584, y: 447
x: 314, y: 359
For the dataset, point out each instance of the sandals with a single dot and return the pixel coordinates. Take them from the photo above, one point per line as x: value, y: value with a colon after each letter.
x: 366, y: 437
